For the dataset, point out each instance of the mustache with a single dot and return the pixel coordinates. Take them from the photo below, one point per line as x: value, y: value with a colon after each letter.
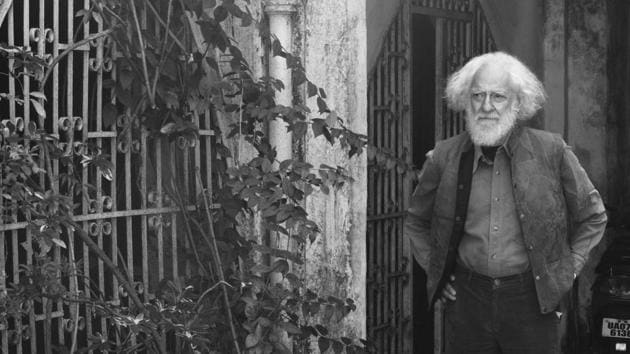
x: 486, y: 116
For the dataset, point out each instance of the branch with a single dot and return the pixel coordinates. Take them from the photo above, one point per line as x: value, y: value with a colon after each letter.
x: 70, y: 49
x: 4, y: 8
x: 176, y: 194
x: 143, y: 53
x: 124, y: 281
x: 215, y: 250
x: 163, y: 55
x: 108, y: 262
x: 212, y: 288
x: 173, y: 35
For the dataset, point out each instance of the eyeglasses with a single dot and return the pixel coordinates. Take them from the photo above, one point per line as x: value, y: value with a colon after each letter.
x: 495, y: 97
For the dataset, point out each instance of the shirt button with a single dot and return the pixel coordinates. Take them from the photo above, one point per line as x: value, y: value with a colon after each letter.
x: 496, y: 199
x: 538, y: 277
x: 522, y: 216
x: 494, y: 256
x: 498, y: 172
x: 495, y: 228
x: 530, y: 247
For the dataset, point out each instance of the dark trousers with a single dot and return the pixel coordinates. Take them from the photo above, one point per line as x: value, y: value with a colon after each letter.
x: 498, y: 315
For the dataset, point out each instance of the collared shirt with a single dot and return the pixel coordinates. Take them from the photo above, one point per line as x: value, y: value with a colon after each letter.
x: 492, y: 243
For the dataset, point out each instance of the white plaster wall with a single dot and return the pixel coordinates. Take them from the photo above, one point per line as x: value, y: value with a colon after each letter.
x: 331, y: 37
x: 335, y: 59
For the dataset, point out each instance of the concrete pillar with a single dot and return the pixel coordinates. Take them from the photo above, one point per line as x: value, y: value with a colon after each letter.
x: 281, y: 25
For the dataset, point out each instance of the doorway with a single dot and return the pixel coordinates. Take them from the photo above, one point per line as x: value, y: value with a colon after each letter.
x: 426, y: 42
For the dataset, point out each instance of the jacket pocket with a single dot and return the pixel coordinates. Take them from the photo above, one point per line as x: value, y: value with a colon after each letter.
x: 561, y: 273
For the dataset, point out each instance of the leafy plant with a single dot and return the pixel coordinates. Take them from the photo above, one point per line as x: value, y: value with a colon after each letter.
x: 238, y: 302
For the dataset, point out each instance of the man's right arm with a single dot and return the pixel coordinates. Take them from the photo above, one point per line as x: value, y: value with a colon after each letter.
x: 418, y: 223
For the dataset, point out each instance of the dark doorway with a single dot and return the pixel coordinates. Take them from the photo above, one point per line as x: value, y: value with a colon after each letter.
x: 423, y: 140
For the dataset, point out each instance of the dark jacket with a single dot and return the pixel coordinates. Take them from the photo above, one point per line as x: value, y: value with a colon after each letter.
x: 562, y: 215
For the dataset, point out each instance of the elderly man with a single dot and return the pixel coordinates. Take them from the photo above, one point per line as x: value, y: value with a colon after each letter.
x: 503, y: 217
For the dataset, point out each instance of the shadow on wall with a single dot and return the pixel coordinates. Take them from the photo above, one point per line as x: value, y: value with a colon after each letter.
x: 379, y: 16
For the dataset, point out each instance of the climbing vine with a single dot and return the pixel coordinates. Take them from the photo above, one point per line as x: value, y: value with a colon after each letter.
x: 245, y: 296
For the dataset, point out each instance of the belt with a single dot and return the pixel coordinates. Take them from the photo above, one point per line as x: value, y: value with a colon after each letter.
x: 462, y: 271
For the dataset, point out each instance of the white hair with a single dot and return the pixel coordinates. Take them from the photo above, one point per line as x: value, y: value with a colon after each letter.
x: 529, y: 90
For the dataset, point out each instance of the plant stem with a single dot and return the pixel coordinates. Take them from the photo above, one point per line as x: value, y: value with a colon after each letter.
x: 182, y: 206
x: 163, y: 55
x: 108, y: 262
x: 70, y: 48
x: 217, y: 257
x: 143, y: 53
x: 210, y: 290
x: 74, y: 284
x: 124, y: 281
x: 173, y: 36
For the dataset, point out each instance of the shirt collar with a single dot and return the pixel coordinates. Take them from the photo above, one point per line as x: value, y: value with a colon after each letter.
x: 505, y: 145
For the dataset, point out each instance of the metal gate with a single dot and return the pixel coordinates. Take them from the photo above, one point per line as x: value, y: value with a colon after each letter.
x: 131, y: 217
x: 388, y: 301
x: 460, y: 33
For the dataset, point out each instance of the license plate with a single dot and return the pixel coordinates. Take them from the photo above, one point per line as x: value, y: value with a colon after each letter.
x: 612, y: 327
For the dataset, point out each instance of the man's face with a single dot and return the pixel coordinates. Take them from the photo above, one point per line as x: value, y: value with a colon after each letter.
x: 491, y: 114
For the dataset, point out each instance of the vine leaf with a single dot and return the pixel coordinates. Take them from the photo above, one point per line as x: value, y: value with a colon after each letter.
x: 321, y: 105
x: 59, y: 242
x: 311, y: 89
x: 220, y: 13
x: 38, y: 94
x: 209, y: 4
x: 251, y: 340
x: 323, y: 344
x: 318, y: 126
x: 337, y: 347
x: 39, y: 108
x: 109, y: 114
x: 289, y: 327
x: 322, y: 330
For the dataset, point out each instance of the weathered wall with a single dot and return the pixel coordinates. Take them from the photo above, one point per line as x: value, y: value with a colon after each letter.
x: 587, y: 86
x: 575, y: 51
x: 575, y: 47
x: 516, y: 27
x: 330, y: 36
x: 554, y: 72
x: 335, y: 58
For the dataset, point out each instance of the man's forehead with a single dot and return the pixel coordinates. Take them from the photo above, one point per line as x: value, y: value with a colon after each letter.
x: 491, y: 77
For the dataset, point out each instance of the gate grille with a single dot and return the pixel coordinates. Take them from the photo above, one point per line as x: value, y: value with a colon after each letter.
x: 134, y: 217
x: 388, y: 129
x: 461, y: 32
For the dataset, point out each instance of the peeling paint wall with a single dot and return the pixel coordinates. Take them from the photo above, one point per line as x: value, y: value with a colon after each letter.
x: 587, y: 88
x: 587, y: 105
x: 330, y: 36
x: 554, y: 73
x: 575, y: 51
x: 335, y: 58
x: 575, y: 47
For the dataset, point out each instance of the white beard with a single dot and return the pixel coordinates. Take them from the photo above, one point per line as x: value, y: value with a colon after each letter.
x: 490, y: 133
